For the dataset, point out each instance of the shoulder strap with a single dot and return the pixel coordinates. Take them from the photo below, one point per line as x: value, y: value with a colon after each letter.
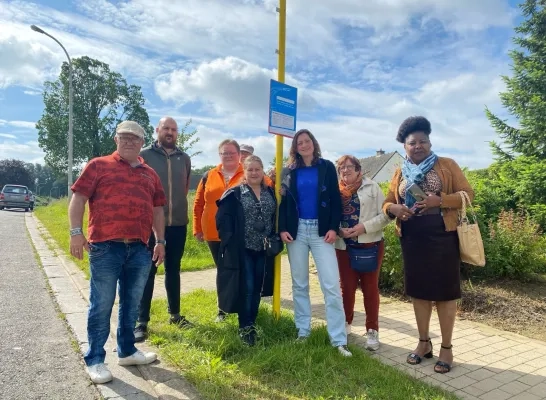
x: 466, y: 204
x: 204, y: 178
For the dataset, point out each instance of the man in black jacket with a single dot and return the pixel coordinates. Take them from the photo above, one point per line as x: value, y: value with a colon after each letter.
x: 173, y: 167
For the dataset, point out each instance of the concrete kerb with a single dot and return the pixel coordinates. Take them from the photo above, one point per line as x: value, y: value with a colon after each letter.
x: 71, y: 289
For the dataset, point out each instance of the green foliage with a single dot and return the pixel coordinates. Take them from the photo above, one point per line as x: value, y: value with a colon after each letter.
x: 525, y: 97
x: 15, y: 172
x: 213, y: 358
x: 391, y: 276
x: 514, y: 247
x: 102, y: 99
x: 272, y: 163
x: 202, y: 170
x: 186, y: 140
x: 511, y: 185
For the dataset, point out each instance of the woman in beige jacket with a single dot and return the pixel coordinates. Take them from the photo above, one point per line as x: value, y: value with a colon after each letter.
x: 362, y: 225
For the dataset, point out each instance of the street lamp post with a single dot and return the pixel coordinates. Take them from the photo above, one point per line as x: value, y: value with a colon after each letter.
x: 70, y: 115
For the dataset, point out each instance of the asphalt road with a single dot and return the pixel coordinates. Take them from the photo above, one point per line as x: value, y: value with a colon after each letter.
x: 37, y: 360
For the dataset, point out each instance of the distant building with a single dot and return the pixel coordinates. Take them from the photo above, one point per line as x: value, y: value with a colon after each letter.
x: 381, y: 167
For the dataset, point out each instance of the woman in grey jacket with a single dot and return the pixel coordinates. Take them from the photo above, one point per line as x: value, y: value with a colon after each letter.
x: 362, y: 225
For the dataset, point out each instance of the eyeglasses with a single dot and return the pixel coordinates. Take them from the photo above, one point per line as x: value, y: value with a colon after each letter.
x: 347, y: 168
x: 128, y: 139
x: 228, y: 154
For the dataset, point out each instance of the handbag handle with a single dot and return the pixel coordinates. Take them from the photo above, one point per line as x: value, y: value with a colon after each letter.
x: 463, y: 218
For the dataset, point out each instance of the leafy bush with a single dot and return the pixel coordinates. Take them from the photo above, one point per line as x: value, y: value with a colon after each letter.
x: 392, y: 272
x: 514, y: 247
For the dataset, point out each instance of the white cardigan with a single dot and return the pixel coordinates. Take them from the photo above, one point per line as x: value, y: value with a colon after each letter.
x: 371, y: 214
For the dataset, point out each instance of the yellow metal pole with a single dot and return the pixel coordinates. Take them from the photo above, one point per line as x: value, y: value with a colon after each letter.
x: 279, y: 152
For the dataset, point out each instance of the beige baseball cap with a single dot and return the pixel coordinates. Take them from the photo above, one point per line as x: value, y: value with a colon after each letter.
x: 130, y: 127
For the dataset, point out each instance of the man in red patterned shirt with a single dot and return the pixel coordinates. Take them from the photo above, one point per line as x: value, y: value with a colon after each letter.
x: 126, y: 202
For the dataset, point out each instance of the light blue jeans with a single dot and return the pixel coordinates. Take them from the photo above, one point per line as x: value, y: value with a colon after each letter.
x: 112, y: 264
x: 324, y: 255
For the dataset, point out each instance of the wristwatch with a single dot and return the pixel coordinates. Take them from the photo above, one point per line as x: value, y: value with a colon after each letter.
x: 161, y: 241
x: 76, y: 231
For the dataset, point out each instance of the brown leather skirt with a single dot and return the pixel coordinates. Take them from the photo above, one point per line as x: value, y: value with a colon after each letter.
x: 431, y: 259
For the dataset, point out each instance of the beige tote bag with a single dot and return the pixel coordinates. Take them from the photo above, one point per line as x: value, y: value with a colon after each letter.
x: 470, y: 238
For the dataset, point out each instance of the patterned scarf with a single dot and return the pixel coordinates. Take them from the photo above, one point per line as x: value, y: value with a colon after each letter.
x: 413, y: 173
x: 347, y: 191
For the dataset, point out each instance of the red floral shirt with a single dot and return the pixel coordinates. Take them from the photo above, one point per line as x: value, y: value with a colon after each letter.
x: 121, y: 198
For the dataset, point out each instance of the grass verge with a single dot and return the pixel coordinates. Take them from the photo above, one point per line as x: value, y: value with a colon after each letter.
x: 213, y: 358
x: 54, y: 217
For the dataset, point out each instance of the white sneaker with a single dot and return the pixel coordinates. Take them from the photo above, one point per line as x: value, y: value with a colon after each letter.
x: 99, y: 373
x: 138, y: 358
x: 372, y: 341
x: 344, y: 351
x: 348, y: 328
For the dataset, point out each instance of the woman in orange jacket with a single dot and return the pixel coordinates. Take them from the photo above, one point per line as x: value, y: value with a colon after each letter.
x: 215, y: 182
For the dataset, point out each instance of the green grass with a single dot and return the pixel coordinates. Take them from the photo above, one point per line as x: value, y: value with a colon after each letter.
x: 213, y: 358
x: 55, y: 219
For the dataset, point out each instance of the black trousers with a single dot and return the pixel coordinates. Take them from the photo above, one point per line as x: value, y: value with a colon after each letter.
x: 176, y: 241
x: 214, y: 248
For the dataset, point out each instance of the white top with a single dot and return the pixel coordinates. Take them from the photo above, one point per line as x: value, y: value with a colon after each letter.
x: 371, y: 214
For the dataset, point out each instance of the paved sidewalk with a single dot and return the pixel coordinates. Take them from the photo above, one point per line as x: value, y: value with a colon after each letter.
x: 146, y: 382
x: 37, y: 360
x: 490, y: 364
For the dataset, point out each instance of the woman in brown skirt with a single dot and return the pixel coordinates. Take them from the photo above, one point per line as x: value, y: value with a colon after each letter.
x: 423, y: 197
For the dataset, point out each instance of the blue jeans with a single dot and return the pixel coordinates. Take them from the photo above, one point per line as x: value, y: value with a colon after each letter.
x: 324, y: 255
x: 253, y: 279
x: 115, y: 263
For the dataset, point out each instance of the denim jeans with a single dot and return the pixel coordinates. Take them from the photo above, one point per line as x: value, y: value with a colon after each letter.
x: 127, y: 266
x: 253, y: 278
x: 324, y: 255
x: 176, y: 241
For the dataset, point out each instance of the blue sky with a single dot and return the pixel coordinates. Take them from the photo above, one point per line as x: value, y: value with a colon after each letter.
x: 361, y: 67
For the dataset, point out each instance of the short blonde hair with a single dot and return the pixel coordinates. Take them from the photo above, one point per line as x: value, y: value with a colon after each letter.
x: 229, y: 141
x: 249, y: 160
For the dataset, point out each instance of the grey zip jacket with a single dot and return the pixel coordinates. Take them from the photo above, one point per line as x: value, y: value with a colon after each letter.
x: 174, y: 171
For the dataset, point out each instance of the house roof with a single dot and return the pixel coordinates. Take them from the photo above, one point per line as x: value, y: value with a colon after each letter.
x: 373, y: 164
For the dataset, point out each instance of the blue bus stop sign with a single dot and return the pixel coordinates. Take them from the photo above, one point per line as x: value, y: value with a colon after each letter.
x: 283, y: 106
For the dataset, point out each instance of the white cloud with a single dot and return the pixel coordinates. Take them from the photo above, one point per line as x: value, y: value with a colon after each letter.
x: 8, y: 136
x: 32, y: 92
x: 27, y: 151
x: 225, y: 85
x: 361, y: 67
x: 18, y: 124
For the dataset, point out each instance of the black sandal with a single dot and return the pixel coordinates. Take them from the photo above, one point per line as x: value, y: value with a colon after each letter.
x: 445, y: 366
x: 414, y: 358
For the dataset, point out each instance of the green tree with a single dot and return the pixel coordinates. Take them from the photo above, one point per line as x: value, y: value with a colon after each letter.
x: 102, y: 99
x: 202, y: 170
x: 272, y: 163
x: 15, y: 172
x: 525, y: 97
x: 187, y: 139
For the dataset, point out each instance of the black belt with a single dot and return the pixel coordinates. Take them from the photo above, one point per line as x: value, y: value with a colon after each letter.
x: 126, y: 241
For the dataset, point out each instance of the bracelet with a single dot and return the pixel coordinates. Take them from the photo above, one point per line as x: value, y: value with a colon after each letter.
x: 162, y: 242
x: 76, y: 231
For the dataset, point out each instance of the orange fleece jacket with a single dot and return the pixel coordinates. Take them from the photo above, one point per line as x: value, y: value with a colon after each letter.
x: 453, y: 181
x: 204, y: 206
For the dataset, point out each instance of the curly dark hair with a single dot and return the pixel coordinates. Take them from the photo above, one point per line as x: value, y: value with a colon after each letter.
x: 412, y: 125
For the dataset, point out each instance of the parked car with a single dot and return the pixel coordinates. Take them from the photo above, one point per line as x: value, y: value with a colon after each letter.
x: 15, y: 196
